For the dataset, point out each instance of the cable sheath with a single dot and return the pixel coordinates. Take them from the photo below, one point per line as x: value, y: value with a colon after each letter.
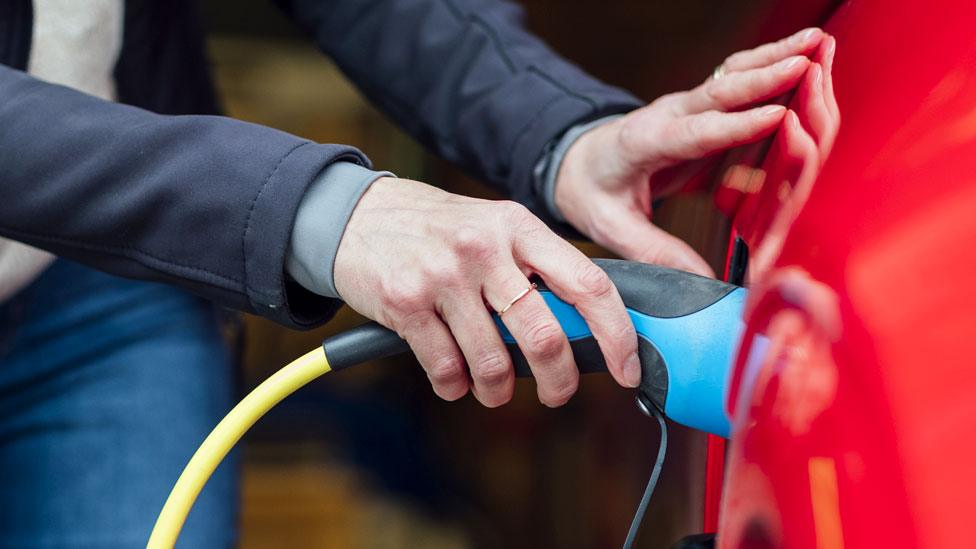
x: 220, y: 441
x: 651, y: 483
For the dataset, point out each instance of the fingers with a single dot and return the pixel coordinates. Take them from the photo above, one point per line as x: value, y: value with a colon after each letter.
x: 801, y: 147
x: 796, y: 161
x: 487, y: 358
x: 434, y: 346
x: 578, y: 281
x: 814, y: 114
x: 738, y: 89
x: 826, y: 142
x: 828, y: 49
x: 816, y: 106
x: 800, y: 43
x: 538, y: 335
x: 697, y: 136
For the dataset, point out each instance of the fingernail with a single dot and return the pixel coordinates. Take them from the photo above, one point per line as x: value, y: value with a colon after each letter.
x: 632, y: 371
x: 791, y: 63
x: 793, y: 119
x: 805, y: 35
x: 770, y: 110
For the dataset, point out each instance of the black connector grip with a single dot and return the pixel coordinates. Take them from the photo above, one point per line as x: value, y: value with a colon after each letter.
x: 371, y: 341
x: 662, y: 292
x: 365, y: 342
x: 651, y: 290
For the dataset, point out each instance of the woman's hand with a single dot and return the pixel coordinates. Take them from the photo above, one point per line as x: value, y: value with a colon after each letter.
x: 607, y: 178
x: 429, y: 264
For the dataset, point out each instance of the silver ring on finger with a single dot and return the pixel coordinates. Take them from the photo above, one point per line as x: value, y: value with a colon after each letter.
x: 515, y: 299
x: 718, y: 72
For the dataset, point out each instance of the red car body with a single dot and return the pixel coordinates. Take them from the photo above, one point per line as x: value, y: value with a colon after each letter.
x: 854, y: 426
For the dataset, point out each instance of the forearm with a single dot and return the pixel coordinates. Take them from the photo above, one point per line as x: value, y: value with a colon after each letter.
x: 206, y: 203
x: 462, y: 76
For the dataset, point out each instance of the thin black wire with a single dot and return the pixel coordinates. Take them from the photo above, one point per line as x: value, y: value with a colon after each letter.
x: 651, y: 483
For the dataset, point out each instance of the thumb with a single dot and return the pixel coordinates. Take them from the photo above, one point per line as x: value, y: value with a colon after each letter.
x: 634, y: 237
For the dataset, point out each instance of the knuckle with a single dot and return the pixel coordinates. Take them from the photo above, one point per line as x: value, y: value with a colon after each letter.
x: 695, y: 126
x: 409, y: 298
x: 696, y: 131
x: 713, y: 91
x: 445, y: 272
x: 471, y: 242
x: 492, y: 368
x: 515, y: 213
x: 545, y: 340
x: 593, y: 281
x: 445, y: 369
x: 631, y: 137
x: 405, y: 297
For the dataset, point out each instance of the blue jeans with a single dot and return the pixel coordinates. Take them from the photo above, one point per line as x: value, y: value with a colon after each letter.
x: 107, y: 386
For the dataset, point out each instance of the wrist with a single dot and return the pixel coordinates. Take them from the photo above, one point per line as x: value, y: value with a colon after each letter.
x: 346, y: 263
x: 589, y: 164
x: 320, y: 223
x: 548, y: 167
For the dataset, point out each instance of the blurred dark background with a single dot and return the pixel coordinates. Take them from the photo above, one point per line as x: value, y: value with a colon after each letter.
x: 370, y: 457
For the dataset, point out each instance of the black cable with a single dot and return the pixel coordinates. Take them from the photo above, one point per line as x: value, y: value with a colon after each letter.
x: 652, y: 482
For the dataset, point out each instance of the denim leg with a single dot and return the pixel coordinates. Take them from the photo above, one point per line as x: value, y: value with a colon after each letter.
x: 107, y: 386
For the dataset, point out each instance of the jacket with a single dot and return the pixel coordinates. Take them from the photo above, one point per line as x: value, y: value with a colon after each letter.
x: 160, y: 188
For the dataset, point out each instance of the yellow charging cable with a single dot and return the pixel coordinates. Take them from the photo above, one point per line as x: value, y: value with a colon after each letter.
x: 220, y: 441
x: 369, y: 341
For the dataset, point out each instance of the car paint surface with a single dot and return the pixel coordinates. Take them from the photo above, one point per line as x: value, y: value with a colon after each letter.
x: 853, y: 427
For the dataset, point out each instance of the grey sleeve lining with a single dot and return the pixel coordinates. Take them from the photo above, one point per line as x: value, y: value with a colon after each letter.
x: 546, y: 170
x: 321, y: 220
x: 330, y: 200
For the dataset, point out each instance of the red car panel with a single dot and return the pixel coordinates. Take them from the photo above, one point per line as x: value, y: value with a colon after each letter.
x: 852, y: 427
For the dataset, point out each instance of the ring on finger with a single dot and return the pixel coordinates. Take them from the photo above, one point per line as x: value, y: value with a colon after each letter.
x: 515, y: 299
x: 718, y: 72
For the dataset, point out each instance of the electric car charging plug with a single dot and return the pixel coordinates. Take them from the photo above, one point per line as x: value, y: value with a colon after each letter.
x: 688, y: 328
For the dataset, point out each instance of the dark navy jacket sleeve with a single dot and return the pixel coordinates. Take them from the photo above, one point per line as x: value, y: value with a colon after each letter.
x: 463, y: 77
x: 204, y: 202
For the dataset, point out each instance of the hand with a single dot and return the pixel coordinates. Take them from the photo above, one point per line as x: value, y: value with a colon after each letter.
x: 607, y: 178
x: 425, y: 262
x: 793, y: 160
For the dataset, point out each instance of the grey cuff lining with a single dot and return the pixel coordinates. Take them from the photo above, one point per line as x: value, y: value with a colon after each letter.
x: 321, y: 221
x: 546, y: 171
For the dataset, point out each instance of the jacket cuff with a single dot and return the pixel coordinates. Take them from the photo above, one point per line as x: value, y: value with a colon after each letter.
x: 321, y: 221
x: 267, y: 234
x: 546, y: 171
x: 563, y: 111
